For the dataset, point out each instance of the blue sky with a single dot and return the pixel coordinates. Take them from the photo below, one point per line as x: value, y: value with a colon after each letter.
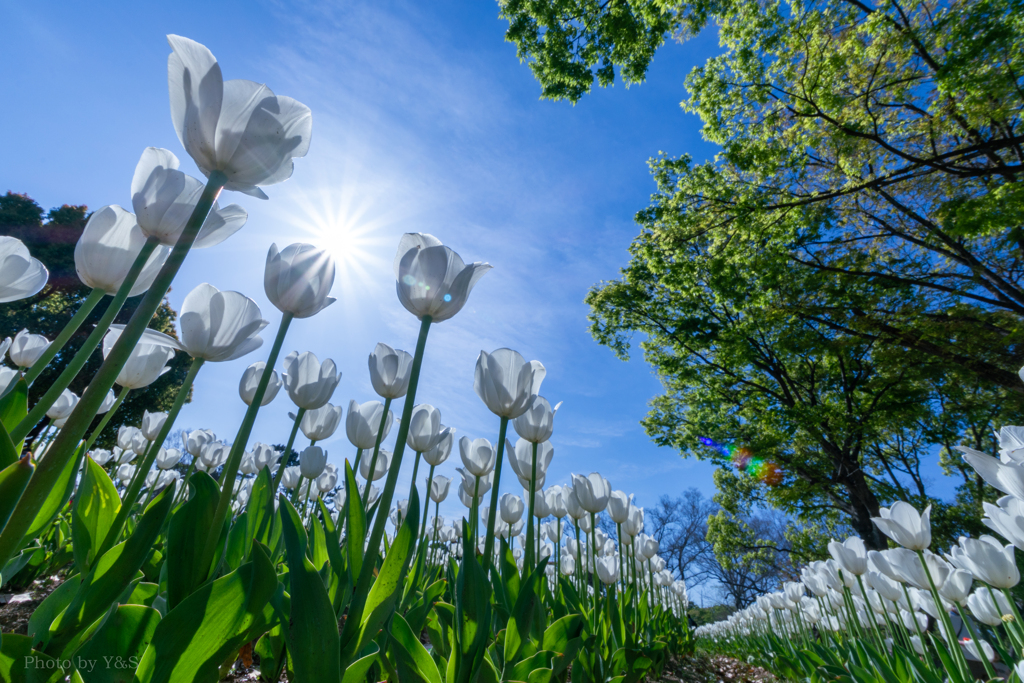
x: 424, y: 121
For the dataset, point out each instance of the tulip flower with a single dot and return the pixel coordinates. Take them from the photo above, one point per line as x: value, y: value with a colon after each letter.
x: 26, y: 348
x: 1007, y: 519
x: 152, y: 423
x: 219, y: 326
x: 248, y: 464
x: 972, y: 650
x: 21, y: 276
x: 1008, y: 478
x: 63, y: 406
x: 251, y: 381
x: 264, y: 455
x: 957, y: 586
x: 521, y: 459
x: 431, y: 279
x: 380, y: 468
x: 298, y: 279
x: 214, y: 455
x: 477, y: 455
x: 197, y: 440
x: 424, y: 428
x: 163, y: 199
x: 108, y: 402
x: 440, y: 452
x: 988, y: 560
x: 908, y: 565
x: 390, y: 371
x: 540, y: 504
x: 851, y: 555
x: 312, y: 462
x: 101, y: 456
x: 537, y: 423
x: 567, y: 564
x: 363, y: 421
x: 608, y: 570
x: 291, y: 478
x: 370, y: 492
x: 511, y: 508
x: 8, y: 376
x: 126, y: 436
x: 125, y: 473
x: 238, y: 128
x: 321, y: 423
x: 592, y: 492
x: 309, y: 383
x: 554, y: 498
x: 439, y: 488
x: 168, y: 458
x: 506, y: 383
x: 327, y: 480
x: 109, y: 246
x: 903, y: 524
x: 989, y: 606
x: 147, y: 361
x: 618, y: 506
x: 572, y: 504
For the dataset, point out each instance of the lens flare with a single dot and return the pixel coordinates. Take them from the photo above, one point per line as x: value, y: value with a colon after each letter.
x: 744, y: 461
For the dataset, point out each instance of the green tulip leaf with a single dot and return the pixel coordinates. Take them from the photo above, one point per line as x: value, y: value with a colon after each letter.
x: 13, y: 480
x: 356, y: 524
x: 116, y: 648
x: 357, y: 670
x: 312, y: 634
x: 95, y: 508
x: 414, y: 662
x: 211, y: 624
x: 19, y: 663
x: 13, y: 409
x: 187, y: 531
x: 58, y: 496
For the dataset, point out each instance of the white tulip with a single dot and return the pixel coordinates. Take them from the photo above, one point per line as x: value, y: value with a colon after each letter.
x: 538, y: 422
x: 312, y: 462
x: 21, y: 276
x: 152, y: 423
x: 506, y: 383
x: 107, y: 249
x: 26, y: 348
x: 380, y: 468
x: 431, y: 279
x: 477, y: 455
x: 298, y: 279
x: 63, y: 406
x: 219, y: 326
x: 390, y: 371
x: 309, y: 383
x: 251, y: 380
x: 238, y: 127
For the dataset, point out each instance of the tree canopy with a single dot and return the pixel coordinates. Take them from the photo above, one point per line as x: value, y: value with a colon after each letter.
x: 52, y: 241
x: 839, y: 289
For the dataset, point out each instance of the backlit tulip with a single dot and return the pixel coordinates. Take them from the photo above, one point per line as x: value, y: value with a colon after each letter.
x: 988, y: 560
x: 989, y: 606
x: 540, y: 503
x: 521, y: 459
x: 108, y: 401
x: 618, y: 506
x: 506, y: 383
x: 126, y: 436
x: 424, y: 427
x: 634, y: 522
x: 908, y: 564
x: 478, y: 455
x: 152, y: 423
x: 125, y: 455
x: 320, y: 424
x: 440, y: 452
x: 125, y: 473
x: 163, y: 199
x: 298, y: 279
x: 109, y: 246
x: 166, y: 458
x: 431, y: 279
x: 327, y: 480
x: 1007, y: 519
x: 439, y: 486
x: 264, y: 455
x: 973, y: 651
x: 538, y: 422
x: 510, y: 507
x: 363, y: 421
x: 251, y: 380
x: 26, y: 348
x: 554, y: 497
x: 219, y: 326
x: 21, y: 276
x: 957, y: 586
x: 248, y: 464
x: 197, y: 440
x: 140, y: 444
x: 1008, y: 478
x: 572, y: 504
x: 63, y: 406
x: 608, y: 570
x: 312, y: 462
x: 903, y: 524
x: 291, y: 477
x: 101, y: 456
x: 380, y: 468
x: 148, y: 360
x: 237, y: 127
x: 390, y: 371
x: 592, y: 492
x: 310, y: 383
x: 567, y: 564
x: 7, y: 377
x: 851, y: 555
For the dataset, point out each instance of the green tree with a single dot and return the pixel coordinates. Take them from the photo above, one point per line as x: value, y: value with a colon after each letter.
x: 46, y: 313
x: 880, y: 144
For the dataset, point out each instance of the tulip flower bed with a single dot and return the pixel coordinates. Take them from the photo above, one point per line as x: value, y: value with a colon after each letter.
x: 903, y: 614
x: 167, y: 563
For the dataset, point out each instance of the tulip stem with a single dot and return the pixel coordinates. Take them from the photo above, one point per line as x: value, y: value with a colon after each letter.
x: 376, y: 451
x: 529, y: 560
x: 492, y: 513
x: 989, y: 669
x: 49, y: 470
x: 95, y: 296
x: 288, y: 450
x: 366, y: 574
x: 355, y: 465
x: 961, y: 659
x: 238, y: 447
x: 147, y: 462
x: 426, y: 504
x: 81, y: 357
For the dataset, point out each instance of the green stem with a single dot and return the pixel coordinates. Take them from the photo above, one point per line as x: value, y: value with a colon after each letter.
x: 147, y: 463
x: 366, y: 575
x: 528, y: 561
x: 355, y: 465
x: 81, y: 357
x: 947, y: 624
x: 49, y: 470
x: 426, y: 503
x: 415, y: 471
x: 238, y: 447
x: 989, y: 669
x: 95, y: 296
x: 492, y: 513
x: 376, y: 450
x: 288, y: 450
